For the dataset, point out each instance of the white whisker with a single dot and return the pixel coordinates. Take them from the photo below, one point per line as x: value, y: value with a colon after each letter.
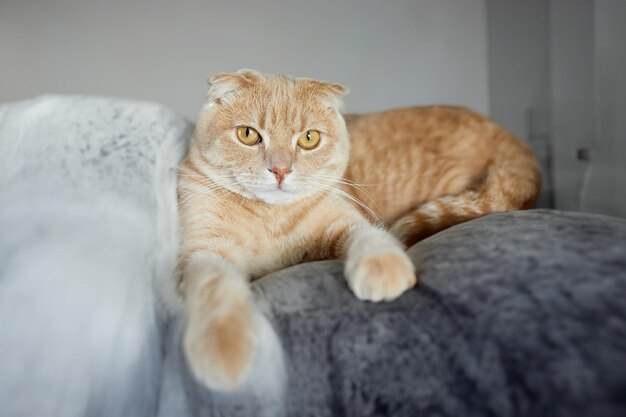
x: 207, y: 186
x: 348, y: 181
x: 320, y: 186
x: 350, y: 184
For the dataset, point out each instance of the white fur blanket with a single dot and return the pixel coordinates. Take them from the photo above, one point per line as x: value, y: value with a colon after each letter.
x: 87, y: 217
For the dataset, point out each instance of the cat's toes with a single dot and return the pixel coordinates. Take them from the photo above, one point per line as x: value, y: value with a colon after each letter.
x: 381, y: 277
x: 220, y: 347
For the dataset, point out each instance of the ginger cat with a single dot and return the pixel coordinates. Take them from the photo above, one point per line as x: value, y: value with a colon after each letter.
x: 276, y: 176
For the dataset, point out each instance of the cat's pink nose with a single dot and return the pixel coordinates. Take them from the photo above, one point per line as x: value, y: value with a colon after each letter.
x: 280, y: 172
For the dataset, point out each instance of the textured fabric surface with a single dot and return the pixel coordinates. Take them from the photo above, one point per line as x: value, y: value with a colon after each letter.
x: 517, y: 314
x: 87, y: 222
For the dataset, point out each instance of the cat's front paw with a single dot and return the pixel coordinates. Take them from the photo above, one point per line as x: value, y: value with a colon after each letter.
x: 383, y: 276
x: 219, y: 344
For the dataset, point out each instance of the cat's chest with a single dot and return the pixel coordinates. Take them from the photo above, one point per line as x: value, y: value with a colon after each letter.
x: 277, y: 240
x: 274, y: 249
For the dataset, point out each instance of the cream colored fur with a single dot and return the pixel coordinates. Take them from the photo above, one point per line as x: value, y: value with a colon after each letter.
x: 250, y: 209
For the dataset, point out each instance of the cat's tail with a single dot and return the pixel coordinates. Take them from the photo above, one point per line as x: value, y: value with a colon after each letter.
x: 512, y: 182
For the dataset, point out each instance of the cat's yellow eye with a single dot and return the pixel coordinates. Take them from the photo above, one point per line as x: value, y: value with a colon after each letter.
x: 248, y: 135
x: 309, y: 139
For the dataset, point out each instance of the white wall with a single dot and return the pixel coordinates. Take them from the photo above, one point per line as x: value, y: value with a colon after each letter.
x: 390, y: 53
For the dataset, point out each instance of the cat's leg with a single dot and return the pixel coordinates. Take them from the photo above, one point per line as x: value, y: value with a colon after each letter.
x: 219, y: 339
x: 377, y: 267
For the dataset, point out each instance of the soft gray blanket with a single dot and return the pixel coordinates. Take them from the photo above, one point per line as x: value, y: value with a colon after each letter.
x: 517, y: 314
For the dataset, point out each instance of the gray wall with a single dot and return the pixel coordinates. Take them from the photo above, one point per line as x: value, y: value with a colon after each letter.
x: 558, y: 79
x: 389, y: 53
x: 519, y: 82
x: 604, y: 190
x: 588, y: 77
x: 572, y: 93
x: 518, y: 65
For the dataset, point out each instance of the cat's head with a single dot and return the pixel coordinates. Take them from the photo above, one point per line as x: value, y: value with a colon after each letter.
x: 272, y: 138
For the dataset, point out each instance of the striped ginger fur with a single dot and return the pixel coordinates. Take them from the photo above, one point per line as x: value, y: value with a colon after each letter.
x: 374, y: 184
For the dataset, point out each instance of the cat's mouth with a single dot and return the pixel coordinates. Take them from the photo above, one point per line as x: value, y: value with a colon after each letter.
x: 270, y: 191
x: 275, y: 196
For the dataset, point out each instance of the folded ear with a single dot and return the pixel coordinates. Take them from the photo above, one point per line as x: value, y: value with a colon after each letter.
x: 330, y: 92
x: 222, y: 84
x: 335, y: 89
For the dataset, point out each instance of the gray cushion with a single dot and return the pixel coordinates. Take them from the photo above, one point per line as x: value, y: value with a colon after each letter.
x: 517, y: 314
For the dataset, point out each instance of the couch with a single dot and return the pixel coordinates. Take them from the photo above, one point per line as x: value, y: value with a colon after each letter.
x: 516, y: 314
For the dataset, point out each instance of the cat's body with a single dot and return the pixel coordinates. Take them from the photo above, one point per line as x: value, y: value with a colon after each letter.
x: 424, y: 169
x: 271, y: 180
x: 262, y: 238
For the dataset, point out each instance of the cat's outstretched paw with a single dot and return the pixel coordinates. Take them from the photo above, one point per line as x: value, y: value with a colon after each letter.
x: 383, y: 276
x: 219, y: 345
